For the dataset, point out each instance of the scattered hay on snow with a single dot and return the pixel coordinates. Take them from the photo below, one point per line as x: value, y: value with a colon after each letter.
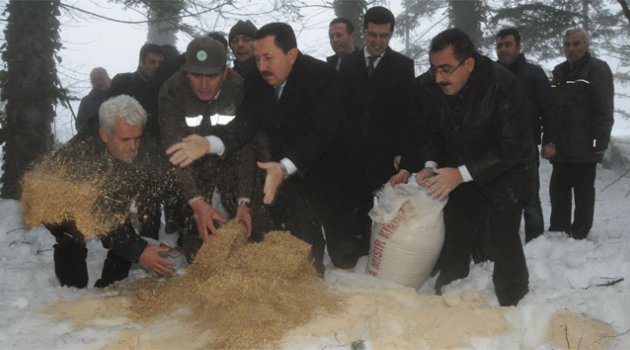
x: 574, y: 331
x: 248, y: 295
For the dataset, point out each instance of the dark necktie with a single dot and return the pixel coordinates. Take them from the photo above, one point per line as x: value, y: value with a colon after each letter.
x: 277, y: 93
x: 370, y: 67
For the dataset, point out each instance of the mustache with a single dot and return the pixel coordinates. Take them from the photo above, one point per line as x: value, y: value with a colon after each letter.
x: 444, y: 83
x: 266, y: 74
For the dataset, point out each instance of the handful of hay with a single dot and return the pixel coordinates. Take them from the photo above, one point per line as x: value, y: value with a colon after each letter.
x: 51, y: 195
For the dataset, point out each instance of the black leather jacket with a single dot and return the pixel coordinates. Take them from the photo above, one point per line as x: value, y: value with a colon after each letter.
x: 543, y: 111
x: 485, y: 127
x: 584, y: 93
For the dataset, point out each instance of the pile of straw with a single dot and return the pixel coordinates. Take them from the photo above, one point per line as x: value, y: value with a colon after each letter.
x: 248, y: 295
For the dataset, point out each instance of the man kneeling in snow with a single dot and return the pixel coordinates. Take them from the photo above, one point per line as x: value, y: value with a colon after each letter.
x: 110, y: 156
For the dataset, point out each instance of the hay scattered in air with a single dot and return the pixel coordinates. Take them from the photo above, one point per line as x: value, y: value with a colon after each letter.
x: 51, y: 195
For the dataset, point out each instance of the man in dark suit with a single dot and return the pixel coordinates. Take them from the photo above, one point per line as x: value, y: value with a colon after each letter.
x: 342, y: 35
x: 376, y: 82
x: 292, y: 103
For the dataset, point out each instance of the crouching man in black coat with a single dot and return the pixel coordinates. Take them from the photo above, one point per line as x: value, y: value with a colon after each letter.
x: 113, y: 157
x: 478, y: 151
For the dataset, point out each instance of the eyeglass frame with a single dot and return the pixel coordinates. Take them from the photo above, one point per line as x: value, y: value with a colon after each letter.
x: 433, y: 70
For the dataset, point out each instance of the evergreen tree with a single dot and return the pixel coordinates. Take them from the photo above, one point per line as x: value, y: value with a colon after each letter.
x: 164, y: 20
x: 29, y: 86
x: 467, y: 15
x: 354, y: 11
x: 416, y: 44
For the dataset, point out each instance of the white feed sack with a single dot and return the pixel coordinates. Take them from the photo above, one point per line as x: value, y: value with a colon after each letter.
x: 407, y: 234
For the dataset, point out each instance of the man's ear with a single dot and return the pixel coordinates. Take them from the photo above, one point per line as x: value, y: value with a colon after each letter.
x: 470, y: 64
x: 353, y: 36
x: 293, y: 53
x: 103, y: 135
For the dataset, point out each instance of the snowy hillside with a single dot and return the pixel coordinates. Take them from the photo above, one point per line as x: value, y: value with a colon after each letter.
x: 565, y: 274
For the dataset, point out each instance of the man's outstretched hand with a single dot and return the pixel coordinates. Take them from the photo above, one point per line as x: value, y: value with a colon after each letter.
x: 191, y: 148
x: 273, y: 180
x: 204, y: 216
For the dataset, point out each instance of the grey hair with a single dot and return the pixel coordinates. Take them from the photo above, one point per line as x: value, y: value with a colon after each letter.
x: 121, y: 106
x: 99, y: 71
x: 587, y: 38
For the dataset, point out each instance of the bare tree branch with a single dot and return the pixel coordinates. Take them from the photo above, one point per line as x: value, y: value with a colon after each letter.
x: 625, y: 8
x: 70, y: 7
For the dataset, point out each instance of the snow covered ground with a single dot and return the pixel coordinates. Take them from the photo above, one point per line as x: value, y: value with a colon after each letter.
x: 564, y: 275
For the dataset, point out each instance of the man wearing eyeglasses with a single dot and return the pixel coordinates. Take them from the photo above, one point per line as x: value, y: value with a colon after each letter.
x: 377, y: 82
x: 477, y: 150
x: 202, y: 88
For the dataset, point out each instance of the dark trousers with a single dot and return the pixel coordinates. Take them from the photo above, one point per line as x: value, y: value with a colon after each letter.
x: 292, y: 211
x: 347, y: 235
x: 344, y: 242
x: 579, y: 178
x: 70, y: 254
x: 532, y: 213
x: 465, y: 208
x: 189, y: 236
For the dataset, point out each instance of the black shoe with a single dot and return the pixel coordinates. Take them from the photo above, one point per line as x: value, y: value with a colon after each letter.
x: 513, y: 298
x: 115, y: 269
x: 530, y: 236
x: 70, y: 266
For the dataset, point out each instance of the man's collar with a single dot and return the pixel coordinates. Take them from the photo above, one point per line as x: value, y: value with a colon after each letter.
x: 366, y: 54
x: 216, y: 96
x: 142, y: 75
x: 338, y: 56
x: 580, y: 62
x: 297, y: 65
x: 247, y: 61
x: 520, y: 59
x: 479, y: 77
